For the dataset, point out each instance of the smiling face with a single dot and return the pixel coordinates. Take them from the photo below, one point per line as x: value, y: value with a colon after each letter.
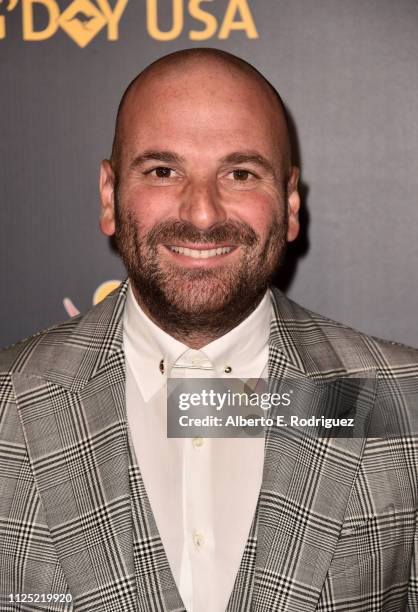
x: 203, y: 199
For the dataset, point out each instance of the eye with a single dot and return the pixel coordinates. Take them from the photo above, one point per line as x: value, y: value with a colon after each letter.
x: 241, y: 179
x: 161, y: 172
x: 242, y: 175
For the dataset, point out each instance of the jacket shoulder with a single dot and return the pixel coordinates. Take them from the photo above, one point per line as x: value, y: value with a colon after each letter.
x: 384, y: 352
x: 22, y: 356
x: 328, y: 345
x: 70, y: 353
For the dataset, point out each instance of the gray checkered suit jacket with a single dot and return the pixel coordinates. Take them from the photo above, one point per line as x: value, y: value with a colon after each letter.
x: 335, y: 526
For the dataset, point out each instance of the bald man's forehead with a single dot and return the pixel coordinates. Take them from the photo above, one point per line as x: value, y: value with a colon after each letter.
x: 203, y: 80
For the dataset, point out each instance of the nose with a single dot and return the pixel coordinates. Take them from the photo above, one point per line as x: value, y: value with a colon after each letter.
x: 201, y: 204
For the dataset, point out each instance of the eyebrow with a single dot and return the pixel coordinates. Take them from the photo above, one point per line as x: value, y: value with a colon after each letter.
x: 249, y: 157
x: 168, y: 157
x: 237, y: 157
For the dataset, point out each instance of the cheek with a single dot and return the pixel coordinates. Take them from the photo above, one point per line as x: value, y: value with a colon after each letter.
x: 260, y: 213
x: 149, y: 206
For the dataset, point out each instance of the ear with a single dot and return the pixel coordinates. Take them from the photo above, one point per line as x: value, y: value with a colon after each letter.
x: 107, y: 209
x: 293, y: 204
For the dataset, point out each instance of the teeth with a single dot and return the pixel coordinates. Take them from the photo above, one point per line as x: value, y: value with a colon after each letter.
x: 201, y: 254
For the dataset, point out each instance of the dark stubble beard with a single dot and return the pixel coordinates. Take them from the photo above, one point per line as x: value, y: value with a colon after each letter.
x: 209, y: 302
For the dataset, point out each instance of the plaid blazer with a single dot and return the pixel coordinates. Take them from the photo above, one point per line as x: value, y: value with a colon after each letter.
x: 335, y: 525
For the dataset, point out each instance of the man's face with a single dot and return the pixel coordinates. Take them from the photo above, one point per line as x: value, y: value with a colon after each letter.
x: 199, y: 205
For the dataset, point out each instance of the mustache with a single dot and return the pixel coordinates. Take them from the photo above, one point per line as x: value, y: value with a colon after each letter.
x: 231, y: 231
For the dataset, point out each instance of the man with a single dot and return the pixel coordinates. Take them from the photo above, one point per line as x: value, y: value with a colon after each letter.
x: 96, y: 502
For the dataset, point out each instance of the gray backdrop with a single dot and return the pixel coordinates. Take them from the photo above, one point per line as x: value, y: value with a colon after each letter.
x: 348, y: 73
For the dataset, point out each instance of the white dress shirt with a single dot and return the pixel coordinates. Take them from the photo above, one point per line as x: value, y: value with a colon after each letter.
x: 203, y: 491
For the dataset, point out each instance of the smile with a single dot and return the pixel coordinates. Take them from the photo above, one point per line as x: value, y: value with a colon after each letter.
x: 201, y: 253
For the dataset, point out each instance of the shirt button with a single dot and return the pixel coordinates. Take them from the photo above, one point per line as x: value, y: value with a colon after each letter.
x: 197, y: 442
x: 198, y: 540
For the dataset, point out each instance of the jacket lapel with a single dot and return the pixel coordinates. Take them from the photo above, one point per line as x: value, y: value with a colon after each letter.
x: 157, y: 589
x: 73, y: 417
x: 306, y: 479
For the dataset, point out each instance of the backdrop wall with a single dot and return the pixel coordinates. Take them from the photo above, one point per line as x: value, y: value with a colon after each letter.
x: 348, y: 74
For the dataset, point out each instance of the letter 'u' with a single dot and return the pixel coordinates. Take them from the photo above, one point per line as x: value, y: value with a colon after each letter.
x: 152, y: 20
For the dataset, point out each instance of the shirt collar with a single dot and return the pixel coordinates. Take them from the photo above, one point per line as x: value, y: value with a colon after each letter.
x: 146, y: 345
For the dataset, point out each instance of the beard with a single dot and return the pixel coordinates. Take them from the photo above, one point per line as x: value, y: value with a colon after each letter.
x: 185, y: 301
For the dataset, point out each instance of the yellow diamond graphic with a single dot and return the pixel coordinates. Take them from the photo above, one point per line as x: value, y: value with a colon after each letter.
x: 82, y: 20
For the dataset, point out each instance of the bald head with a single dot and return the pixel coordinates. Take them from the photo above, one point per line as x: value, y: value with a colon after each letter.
x: 194, y: 66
